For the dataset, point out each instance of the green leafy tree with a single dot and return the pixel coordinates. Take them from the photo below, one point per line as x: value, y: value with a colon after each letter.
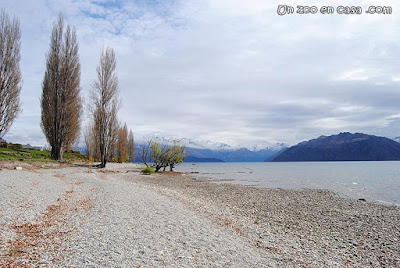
x: 174, y: 155
x: 157, y: 155
x: 162, y: 156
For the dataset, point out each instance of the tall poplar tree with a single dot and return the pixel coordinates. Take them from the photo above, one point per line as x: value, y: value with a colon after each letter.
x: 61, y: 101
x: 105, y: 104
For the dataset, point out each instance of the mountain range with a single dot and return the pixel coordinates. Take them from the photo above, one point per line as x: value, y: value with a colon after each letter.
x: 233, y: 155
x: 209, y: 151
x: 342, y: 147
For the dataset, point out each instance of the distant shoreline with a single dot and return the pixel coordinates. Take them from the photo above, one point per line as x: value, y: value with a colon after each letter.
x: 374, y: 181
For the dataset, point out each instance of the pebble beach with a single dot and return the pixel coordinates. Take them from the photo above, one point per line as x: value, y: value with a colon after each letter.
x: 76, y: 216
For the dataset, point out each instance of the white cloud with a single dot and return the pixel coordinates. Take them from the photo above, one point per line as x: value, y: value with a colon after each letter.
x: 358, y: 74
x: 230, y: 71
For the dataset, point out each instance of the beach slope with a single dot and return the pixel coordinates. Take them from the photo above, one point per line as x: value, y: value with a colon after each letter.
x: 78, y: 216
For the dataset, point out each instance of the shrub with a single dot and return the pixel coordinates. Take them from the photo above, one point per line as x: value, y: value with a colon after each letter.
x: 147, y: 170
x: 14, y: 146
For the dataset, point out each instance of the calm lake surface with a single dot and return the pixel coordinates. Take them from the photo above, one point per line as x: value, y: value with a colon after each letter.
x: 374, y: 181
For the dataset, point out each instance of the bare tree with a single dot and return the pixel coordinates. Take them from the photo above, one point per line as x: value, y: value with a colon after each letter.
x: 105, y: 105
x: 61, y: 101
x: 10, y: 72
x: 131, y: 147
x: 145, y: 150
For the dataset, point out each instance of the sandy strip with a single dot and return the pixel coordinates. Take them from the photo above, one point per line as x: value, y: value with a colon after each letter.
x: 117, y: 218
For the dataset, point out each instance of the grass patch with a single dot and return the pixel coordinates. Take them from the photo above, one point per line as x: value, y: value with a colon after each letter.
x: 9, y: 154
x: 147, y: 170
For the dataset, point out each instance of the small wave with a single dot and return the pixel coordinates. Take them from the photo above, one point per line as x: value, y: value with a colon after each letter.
x: 386, y: 202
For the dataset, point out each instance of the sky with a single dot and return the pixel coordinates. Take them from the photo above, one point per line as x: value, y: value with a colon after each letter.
x: 228, y: 71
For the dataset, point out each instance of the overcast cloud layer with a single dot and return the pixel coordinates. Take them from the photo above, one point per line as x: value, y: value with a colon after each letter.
x: 229, y: 71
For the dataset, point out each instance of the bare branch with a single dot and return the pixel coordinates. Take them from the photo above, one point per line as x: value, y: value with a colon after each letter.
x: 10, y: 71
x: 105, y: 104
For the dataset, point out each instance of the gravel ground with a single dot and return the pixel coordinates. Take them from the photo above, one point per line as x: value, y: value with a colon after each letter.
x: 24, y: 196
x: 131, y: 225
x: 126, y: 225
x: 311, y: 228
x: 76, y: 216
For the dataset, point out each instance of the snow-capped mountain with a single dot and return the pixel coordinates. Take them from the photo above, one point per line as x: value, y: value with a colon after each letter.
x: 198, y: 149
x: 219, y: 146
x: 198, y: 144
x: 275, y: 147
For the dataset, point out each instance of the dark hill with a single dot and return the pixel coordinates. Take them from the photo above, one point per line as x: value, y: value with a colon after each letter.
x: 343, y: 147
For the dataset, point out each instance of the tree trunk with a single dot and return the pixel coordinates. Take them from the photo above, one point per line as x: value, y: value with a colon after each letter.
x: 171, y: 167
x: 103, y: 157
x: 56, y: 152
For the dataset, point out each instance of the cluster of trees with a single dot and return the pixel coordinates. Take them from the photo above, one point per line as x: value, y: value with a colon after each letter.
x: 121, y: 146
x: 109, y: 136
x: 61, y: 101
x: 160, y: 156
x: 106, y: 138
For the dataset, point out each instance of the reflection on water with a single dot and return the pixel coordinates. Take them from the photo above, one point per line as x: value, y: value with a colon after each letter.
x: 374, y: 181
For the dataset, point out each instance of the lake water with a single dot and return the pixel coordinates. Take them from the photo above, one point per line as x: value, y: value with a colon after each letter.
x: 373, y: 181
